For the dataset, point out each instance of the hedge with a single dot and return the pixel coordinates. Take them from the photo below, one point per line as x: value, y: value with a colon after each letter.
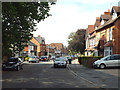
x: 88, y: 61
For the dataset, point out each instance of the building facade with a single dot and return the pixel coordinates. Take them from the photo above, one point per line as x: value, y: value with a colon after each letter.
x: 106, y: 38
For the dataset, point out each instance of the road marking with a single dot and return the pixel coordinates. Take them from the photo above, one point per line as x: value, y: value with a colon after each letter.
x: 83, y: 78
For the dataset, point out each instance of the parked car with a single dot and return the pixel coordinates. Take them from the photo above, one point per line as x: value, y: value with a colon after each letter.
x: 43, y: 58
x: 60, y: 62
x: 34, y: 59
x: 53, y: 58
x: 108, y: 61
x: 12, y: 63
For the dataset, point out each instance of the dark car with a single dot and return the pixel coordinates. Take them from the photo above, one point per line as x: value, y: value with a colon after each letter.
x: 12, y: 63
x: 43, y: 58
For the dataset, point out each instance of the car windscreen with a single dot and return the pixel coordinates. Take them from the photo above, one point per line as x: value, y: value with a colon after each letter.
x: 104, y: 58
x: 57, y: 59
x: 63, y: 58
x: 32, y: 57
x: 12, y: 60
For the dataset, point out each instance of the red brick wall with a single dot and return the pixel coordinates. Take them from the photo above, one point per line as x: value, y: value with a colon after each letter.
x: 116, y: 36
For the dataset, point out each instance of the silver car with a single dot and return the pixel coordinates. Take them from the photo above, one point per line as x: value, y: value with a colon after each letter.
x: 108, y: 61
x: 60, y: 62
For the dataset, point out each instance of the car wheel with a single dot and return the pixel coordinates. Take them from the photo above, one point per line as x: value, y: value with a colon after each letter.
x: 102, y: 66
x: 54, y: 66
x: 21, y: 67
x: 17, y: 68
x: 3, y: 69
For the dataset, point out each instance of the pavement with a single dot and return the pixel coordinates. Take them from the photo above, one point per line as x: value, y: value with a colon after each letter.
x: 103, y: 78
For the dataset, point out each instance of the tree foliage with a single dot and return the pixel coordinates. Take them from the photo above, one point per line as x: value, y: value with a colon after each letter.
x: 71, y: 37
x: 77, y: 42
x: 18, y: 21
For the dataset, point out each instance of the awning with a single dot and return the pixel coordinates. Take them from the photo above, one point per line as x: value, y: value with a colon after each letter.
x: 89, y: 49
x: 108, y: 44
x: 100, y: 44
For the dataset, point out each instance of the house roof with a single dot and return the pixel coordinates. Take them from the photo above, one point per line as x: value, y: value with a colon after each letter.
x: 38, y: 39
x: 97, y: 22
x: 110, y: 21
x: 116, y: 8
x: 105, y: 17
x: 57, y: 45
x: 91, y: 28
x: 92, y: 35
x: 31, y: 44
x: 49, y: 46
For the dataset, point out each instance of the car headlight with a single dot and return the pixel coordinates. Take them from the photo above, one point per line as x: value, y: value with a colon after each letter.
x: 95, y: 63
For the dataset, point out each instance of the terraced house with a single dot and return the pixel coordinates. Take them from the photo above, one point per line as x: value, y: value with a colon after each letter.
x: 36, y: 47
x: 107, y: 34
x: 89, y: 41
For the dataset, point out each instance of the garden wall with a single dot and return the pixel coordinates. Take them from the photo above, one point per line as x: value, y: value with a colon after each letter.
x: 88, y: 61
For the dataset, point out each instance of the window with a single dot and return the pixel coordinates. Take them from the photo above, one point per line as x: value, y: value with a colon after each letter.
x: 90, y: 43
x: 117, y: 57
x: 112, y: 58
x: 43, y: 42
x: 110, y: 33
x: 94, y: 42
x: 32, y: 47
x: 98, y: 37
x: 108, y: 51
x: 102, y: 22
x: 114, y: 16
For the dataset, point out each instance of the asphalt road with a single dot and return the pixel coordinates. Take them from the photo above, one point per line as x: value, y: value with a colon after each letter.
x: 43, y: 75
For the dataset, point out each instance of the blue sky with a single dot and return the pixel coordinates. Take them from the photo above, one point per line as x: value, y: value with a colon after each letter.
x: 69, y: 16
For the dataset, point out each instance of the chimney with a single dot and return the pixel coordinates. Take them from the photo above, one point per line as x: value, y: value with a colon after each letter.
x: 97, y: 18
x: 38, y: 35
x: 107, y: 12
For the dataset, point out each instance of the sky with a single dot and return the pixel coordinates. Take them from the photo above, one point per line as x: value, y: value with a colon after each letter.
x: 69, y: 16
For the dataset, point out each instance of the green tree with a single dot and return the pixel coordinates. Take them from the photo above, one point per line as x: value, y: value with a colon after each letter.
x: 77, y: 42
x: 18, y: 21
x: 71, y: 37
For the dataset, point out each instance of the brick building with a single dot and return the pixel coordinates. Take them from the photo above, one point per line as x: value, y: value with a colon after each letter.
x: 106, y: 34
x: 41, y: 47
x: 30, y: 49
x: 60, y: 49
